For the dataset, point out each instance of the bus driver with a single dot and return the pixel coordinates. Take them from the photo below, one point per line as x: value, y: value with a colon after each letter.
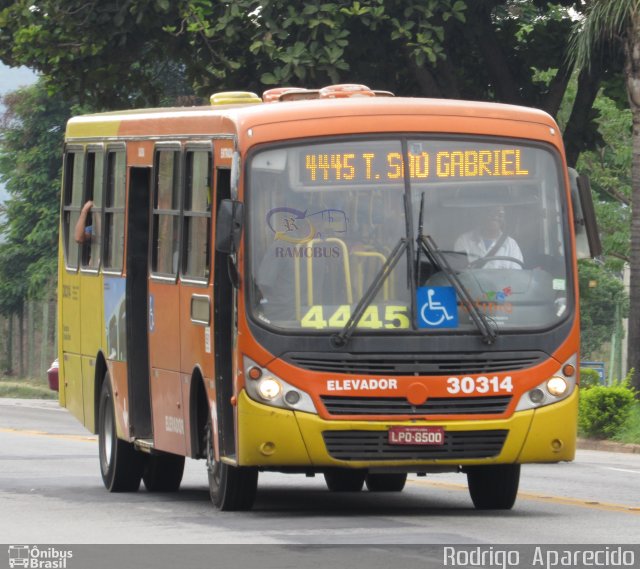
x: 489, y: 240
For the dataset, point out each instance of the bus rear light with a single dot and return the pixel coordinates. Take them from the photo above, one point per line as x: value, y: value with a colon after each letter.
x: 552, y: 390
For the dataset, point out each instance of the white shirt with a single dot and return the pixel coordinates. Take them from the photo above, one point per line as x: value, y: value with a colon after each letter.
x: 476, y: 248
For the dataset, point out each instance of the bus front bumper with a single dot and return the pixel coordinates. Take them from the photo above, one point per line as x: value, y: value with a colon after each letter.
x: 275, y: 438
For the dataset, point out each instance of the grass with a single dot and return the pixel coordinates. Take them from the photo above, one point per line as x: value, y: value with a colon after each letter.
x: 631, y: 431
x: 26, y: 388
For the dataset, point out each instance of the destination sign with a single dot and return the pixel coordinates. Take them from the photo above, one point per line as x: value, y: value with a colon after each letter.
x: 345, y: 167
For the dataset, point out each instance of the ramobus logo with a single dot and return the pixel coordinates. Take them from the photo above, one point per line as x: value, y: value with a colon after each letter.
x: 38, y: 558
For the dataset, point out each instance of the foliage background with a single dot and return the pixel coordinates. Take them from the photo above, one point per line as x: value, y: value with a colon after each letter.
x: 98, y: 55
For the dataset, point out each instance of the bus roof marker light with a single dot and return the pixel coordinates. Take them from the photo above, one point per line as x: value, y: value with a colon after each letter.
x: 274, y: 95
x: 345, y: 90
x: 234, y: 98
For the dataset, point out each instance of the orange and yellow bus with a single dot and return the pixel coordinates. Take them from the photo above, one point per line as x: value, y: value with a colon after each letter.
x: 333, y: 281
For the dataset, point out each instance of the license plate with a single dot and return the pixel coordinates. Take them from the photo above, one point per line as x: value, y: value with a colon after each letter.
x: 423, y: 436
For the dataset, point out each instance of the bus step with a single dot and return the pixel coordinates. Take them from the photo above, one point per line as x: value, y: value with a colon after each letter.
x: 144, y: 445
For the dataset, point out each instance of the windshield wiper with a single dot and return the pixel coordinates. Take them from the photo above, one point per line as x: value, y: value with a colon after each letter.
x: 341, y: 338
x: 426, y: 242
x: 489, y: 332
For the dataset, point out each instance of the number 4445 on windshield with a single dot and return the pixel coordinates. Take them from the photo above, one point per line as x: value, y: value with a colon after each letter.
x: 374, y: 317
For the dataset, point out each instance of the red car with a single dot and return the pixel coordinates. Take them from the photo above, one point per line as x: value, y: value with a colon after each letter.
x: 52, y: 375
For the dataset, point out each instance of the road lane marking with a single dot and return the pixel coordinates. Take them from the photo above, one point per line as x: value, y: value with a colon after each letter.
x: 623, y: 470
x: 32, y: 433
x: 545, y: 498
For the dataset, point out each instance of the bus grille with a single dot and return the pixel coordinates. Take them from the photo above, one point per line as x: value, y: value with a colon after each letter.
x: 415, y: 364
x: 374, y: 445
x: 400, y: 406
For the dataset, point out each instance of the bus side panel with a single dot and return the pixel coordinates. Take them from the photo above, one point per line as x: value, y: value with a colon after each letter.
x: 72, y: 366
x: 92, y: 327
x: 196, y: 346
x: 166, y: 407
x: 91, y: 314
x: 164, y: 326
x: 118, y: 372
x: 88, y: 368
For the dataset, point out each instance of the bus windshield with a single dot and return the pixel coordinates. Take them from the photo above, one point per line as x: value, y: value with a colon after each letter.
x: 324, y: 218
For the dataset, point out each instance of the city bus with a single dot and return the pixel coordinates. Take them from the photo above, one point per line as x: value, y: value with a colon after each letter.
x: 333, y: 282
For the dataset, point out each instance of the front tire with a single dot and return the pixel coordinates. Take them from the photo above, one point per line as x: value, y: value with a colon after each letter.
x: 163, y: 472
x: 386, y: 482
x: 120, y: 463
x: 493, y: 487
x: 232, y: 488
x: 343, y: 480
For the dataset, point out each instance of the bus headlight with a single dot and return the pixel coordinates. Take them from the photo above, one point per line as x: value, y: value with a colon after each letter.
x: 267, y: 388
x: 557, y: 386
x: 551, y: 390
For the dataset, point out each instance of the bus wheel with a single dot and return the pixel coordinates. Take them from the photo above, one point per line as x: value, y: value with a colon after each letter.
x: 120, y: 464
x: 386, y: 482
x: 343, y: 480
x: 493, y: 487
x: 163, y: 472
x: 232, y: 488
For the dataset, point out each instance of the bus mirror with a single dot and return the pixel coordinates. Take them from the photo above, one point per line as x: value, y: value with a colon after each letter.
x: 229, y: 226
x: 584, y: 217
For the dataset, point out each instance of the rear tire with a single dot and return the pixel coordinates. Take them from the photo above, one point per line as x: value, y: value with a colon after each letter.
x: 494, y: 487
x: 232, y: 488
x: 386, y: 482
x: 343, y: 480
x: 163, y: 472
x: 120, y: 463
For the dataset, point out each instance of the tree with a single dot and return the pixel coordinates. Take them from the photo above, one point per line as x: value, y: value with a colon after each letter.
x: 30, y: 165
x: 600, y: 293
x: 619, y: 24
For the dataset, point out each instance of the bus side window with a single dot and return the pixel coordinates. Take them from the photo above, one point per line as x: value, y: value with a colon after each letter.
x: 197, y: 215
x: 166, y: 213
x: 114, y: 210
x: 74, y: 166
x: 91, y: 248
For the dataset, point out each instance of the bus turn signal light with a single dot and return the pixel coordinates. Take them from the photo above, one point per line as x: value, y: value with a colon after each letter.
x: 255, y: 373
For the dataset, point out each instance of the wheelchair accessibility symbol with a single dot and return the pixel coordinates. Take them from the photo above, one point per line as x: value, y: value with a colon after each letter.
x: 437, y: 307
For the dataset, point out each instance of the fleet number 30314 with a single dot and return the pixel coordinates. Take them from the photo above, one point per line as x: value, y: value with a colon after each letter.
x: 480, y: 384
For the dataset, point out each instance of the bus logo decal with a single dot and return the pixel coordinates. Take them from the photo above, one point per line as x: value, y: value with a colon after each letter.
x: 437, y: 307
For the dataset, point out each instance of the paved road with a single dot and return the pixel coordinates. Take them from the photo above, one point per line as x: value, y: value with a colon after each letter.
x: 51, y: 492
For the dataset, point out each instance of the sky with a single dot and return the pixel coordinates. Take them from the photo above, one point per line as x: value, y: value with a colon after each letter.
x: 10, y: 79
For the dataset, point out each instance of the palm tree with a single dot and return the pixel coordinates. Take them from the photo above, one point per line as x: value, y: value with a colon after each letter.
x: 617, y: 22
